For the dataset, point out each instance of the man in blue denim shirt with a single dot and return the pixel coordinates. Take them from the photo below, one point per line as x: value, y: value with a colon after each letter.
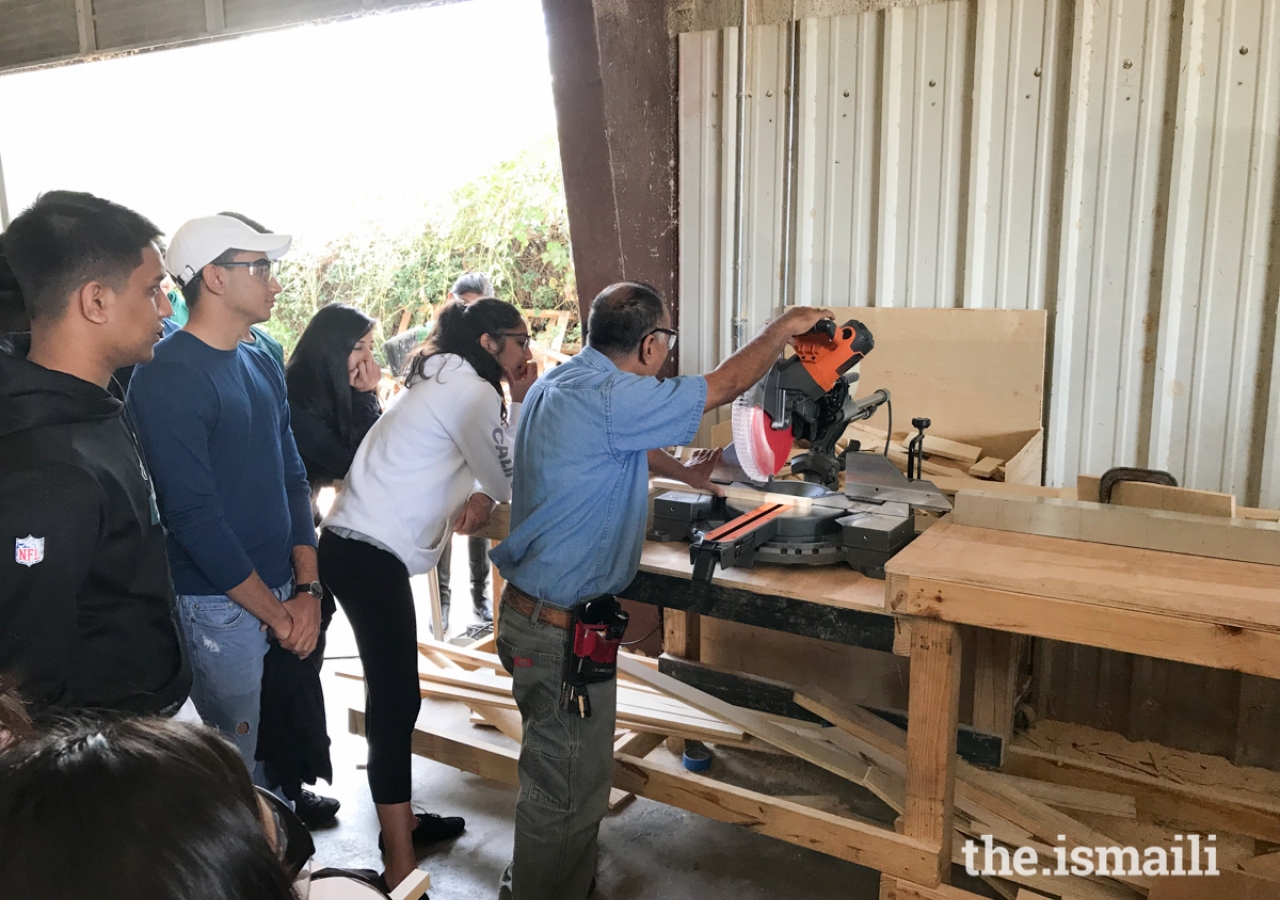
x: 584, y: 450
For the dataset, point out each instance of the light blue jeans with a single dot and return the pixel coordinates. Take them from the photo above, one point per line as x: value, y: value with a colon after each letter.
x: 227, y: 645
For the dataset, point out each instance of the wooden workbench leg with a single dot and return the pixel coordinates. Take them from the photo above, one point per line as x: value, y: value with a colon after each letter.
x: 682, y: 637
x: 997, y: 680
x: 932, y: 714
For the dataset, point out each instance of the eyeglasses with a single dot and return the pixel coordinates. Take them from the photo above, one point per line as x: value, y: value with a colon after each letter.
x: 519, y: 336
x: 671, y: 336
x: 262, y: 269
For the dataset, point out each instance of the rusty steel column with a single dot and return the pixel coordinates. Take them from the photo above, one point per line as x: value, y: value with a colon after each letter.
x: 614, y: 80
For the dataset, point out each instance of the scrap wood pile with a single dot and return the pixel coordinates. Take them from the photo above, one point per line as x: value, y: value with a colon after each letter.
x: 942, y: 457
x: 1023, y: 811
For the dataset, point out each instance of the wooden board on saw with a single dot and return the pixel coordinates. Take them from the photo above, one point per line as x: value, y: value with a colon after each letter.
x: 835, y: 585
x: 1215, y: 591
x: 1216, y: 536
x: 934, y: 445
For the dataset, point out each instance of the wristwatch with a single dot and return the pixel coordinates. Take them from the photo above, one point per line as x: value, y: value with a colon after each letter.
x: 315, y: 589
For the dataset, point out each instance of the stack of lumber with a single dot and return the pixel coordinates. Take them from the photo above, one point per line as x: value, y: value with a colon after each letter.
x: 1045, y: 801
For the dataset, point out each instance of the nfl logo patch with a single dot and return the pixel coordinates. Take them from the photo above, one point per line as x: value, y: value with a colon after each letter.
x: 29, y: 550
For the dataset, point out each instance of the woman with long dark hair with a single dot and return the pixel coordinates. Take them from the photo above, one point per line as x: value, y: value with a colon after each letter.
x: 332, y: 382
x: 333, y: 401
x: 433, y: 465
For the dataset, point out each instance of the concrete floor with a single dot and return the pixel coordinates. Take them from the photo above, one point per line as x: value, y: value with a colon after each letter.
x: 648, y: 849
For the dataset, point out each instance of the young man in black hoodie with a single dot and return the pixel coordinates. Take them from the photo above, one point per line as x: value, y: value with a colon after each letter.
x: 86, y: 601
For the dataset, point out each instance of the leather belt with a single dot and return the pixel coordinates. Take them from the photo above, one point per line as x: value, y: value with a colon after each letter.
x: 516, y: 599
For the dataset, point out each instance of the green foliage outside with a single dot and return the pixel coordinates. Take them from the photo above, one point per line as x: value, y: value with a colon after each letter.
x: 510, y: 223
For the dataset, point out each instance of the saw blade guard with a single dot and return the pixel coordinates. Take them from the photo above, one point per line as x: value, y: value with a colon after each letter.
x: 762, y: 449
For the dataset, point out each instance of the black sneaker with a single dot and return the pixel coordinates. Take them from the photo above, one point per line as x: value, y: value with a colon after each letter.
x: 432, y: 828
x: 316, y: 811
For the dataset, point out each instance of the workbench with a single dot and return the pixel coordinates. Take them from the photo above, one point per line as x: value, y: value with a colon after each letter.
x: 1004, y: 585
x: 1210, y: 612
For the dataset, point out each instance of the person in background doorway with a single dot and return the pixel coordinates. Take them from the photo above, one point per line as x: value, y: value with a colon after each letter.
x: 469, y: 287
x: 434, y: 464
x: 87, y: 608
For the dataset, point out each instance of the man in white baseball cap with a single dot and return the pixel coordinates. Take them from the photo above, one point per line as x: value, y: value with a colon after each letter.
x: 217, y: 240
x: 214, y: 422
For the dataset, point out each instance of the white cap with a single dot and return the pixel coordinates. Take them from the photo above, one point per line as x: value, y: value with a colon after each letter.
x: 200, y: 241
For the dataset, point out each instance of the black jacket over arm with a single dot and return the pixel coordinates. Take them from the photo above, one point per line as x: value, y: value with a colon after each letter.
x: 324, y: 453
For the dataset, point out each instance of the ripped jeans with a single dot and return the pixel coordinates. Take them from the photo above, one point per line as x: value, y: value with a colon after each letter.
x: 227, y: 645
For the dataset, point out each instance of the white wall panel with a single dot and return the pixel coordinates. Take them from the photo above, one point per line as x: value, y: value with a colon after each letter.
x: 837, y: 160
x: 1118, y: 133
x: 1112, y: 161
x: 1222, y: 207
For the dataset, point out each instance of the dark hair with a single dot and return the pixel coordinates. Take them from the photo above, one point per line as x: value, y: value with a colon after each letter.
x: 252, y: 223
x: 622, y: 315
x: 66, y: 239
x: 151, y: 809
x: 316, y: 374
x: 472, y: 283
x: 15, y: 721
x: 457, y: 330
x: 13, y: 312
x: 191, y: 290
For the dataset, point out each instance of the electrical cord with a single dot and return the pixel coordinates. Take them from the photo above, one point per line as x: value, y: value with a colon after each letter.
x: 889, y: 436
x: 643, y: 639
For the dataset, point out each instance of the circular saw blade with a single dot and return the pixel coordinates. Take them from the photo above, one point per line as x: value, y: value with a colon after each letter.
x: 762, y: 449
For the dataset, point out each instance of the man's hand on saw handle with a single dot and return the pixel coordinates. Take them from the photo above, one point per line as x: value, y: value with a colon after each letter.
x: 749, y: 364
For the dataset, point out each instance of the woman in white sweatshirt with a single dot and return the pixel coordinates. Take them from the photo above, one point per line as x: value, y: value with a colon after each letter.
x: 434, y: 464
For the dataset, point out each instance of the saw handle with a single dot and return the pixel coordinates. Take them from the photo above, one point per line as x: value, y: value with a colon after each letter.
x: 826, y: 327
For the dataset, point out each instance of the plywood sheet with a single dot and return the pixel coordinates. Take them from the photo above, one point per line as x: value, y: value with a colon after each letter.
x: 977, y: 373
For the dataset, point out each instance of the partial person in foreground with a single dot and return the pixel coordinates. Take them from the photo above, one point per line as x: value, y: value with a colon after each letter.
x: 146, y: 808
x: 586, y: 444
x: 87, y: 609
x: 434, y: 464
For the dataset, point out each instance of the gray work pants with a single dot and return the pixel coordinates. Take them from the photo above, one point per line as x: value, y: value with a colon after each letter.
x: 566, y: 766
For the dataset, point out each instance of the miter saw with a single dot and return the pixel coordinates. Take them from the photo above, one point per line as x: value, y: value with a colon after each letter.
x: 806, y: 397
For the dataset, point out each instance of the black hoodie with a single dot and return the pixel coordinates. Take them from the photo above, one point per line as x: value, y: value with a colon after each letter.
x: 87, y: 609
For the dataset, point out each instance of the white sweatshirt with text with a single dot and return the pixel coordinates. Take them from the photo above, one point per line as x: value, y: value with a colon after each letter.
x: 440, y: 440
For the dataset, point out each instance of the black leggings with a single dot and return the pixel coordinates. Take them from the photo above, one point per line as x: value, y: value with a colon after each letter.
x: 373, y: 589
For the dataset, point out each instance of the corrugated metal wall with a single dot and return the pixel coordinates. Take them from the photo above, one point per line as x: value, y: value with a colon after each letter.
x: 1113, y: 162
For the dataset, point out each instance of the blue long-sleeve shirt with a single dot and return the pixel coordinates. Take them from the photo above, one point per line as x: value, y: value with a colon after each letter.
x: 230, y: 483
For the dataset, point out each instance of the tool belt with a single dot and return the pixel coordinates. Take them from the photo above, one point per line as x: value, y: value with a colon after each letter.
x: 595, y: 628
x: 598, y: 629
x: 518, y: 600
